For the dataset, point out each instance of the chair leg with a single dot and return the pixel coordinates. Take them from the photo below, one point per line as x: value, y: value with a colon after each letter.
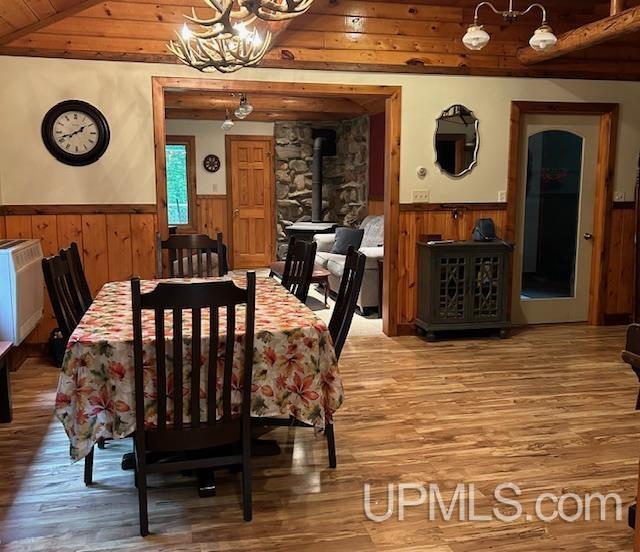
x: 331, y: 444
x: 246, y: 477
x: 88, y: 468
x: 141, y: 484
x: 101, y: 443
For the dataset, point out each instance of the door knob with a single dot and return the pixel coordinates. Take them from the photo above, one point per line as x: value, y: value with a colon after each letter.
x: 236, y: 211
x: 587, y: 236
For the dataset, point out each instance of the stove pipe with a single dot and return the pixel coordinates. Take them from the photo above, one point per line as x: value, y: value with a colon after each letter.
x: 316, y: 180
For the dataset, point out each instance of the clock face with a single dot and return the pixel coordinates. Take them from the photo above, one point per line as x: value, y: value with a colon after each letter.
x: 211, y: 163
x: 75, y: 132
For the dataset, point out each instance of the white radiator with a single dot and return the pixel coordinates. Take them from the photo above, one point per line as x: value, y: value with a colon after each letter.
x: 21, y: 288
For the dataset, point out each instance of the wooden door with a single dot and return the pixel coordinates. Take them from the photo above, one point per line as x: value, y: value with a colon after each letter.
x: 250, y: 184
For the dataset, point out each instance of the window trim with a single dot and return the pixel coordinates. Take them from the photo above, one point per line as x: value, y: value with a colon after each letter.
x: 190, y: 143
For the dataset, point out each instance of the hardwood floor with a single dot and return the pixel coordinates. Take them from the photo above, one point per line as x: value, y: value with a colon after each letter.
x: 550, y: 409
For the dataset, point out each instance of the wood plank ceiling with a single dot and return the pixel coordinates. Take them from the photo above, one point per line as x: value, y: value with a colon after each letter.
x: 267, y: 107
x: 420, y: 36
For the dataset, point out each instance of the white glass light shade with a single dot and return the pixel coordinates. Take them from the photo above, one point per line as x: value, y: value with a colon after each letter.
x: 543, y: 39
x: 227, y: 123
x: 240, y: 112
x: 476, y: 37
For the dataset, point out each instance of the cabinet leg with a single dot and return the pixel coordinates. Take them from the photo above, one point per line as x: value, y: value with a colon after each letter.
x: 431, y: 336
x: 504, y: 333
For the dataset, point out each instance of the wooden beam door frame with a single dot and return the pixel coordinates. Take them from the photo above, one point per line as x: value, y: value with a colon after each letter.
x: 608, y: 114
x: 392, y: 96
x: 272, y: 187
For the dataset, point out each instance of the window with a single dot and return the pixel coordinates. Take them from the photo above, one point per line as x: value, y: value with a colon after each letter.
x: 181, y: 182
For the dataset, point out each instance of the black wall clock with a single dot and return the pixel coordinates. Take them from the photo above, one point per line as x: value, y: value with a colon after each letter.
x: 211, y: 163
x: 75, y: 132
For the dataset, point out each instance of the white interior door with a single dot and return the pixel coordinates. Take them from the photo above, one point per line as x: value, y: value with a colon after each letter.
x: 554, y: 223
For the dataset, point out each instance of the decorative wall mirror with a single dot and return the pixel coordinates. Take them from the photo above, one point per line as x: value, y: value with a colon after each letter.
x: 457, y: 140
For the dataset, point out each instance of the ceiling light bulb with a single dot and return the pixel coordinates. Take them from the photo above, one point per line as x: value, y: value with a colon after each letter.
x: 476, y: 37
x: 228, y: 122
x: 240, y: 113
x: 186, y: 32
x: 543, y: 38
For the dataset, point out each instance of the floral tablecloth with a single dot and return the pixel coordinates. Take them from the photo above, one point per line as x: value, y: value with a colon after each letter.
x: 295, y: 371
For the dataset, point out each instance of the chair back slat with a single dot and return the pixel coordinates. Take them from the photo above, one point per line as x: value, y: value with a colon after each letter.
x: 161, y: 369
x: 196, y: 343
x: 228, y: 365
x: 81, y: 290
x: 345, y: 306
x: 212, y: 373
x: 62, y: 293
x: 182, y: 248
x: 178, y: 412
x: 196, y: 299
x: 298, y: 267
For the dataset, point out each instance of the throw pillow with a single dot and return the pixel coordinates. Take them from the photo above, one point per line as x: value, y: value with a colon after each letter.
x: 346, y: 237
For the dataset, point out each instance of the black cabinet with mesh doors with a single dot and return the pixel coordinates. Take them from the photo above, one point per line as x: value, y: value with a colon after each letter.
x: 462, y: 285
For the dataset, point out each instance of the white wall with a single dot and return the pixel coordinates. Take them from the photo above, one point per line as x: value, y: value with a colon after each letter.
x: 125, y: 174
x: 210, y: 138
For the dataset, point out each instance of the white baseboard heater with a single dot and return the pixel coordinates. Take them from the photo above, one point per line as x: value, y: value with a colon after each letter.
x: 21, y: 288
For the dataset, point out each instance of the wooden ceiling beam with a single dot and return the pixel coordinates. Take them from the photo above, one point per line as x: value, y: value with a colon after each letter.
x: 263, y: 102
x: 256, y: 116
x: 591, y: 34
x: 38, y: 25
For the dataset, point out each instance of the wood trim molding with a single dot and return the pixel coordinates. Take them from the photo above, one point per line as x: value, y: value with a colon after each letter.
x: 623, y: 205
x: 211, y: 196
x: 392, y: 97
x: 608, y: 113
x: 81, y: 209
x: 498, y: 206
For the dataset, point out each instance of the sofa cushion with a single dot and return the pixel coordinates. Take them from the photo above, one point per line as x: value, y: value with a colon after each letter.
x: 373, y: 227
x: 323, y: 258
x: 345, y: 238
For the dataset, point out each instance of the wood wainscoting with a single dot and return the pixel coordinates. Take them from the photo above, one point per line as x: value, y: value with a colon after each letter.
x: 212, y: 215
x: 114, y: 245
x: 455, y: 221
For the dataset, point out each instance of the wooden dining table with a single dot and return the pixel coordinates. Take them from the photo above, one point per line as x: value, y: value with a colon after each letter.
x: 295, y: 371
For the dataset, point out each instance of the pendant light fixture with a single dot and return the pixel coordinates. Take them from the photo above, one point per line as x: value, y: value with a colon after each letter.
x: 477, y: 38
x: 244, y: 109
x: 228, y: 123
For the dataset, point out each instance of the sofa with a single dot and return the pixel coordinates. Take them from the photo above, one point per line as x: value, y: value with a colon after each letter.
x: 373, y: 248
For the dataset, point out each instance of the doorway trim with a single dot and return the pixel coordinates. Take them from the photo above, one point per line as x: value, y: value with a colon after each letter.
x: 608, y: 113
x: 392, y: 96
x: 229, y: 191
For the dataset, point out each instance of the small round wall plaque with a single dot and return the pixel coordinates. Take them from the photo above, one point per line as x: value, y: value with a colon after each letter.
x: 211, y: 163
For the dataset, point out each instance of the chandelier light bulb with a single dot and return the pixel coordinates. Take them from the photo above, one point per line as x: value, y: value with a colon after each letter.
x: 476, y: 37
x: 186, y: 33
x: 543, y: 38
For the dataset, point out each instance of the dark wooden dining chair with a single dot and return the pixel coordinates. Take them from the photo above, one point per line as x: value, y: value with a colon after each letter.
x: 64, y: 299
x: 298, y: 267
x: 62, y: 293
x: 631, y: 353
x: 192, y: 255
x: 189, y: 441
x: 339, y: 325
x: 345, y: 306
x: 81, y: 287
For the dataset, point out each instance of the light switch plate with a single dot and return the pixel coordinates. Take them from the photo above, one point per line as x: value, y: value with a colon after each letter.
x: 618, y: 196
x: 420, y: 196
x: 502, y: 196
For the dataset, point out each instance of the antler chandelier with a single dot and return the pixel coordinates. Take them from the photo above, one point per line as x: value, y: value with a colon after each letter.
x: 477, y: 38
x: 232, y: 38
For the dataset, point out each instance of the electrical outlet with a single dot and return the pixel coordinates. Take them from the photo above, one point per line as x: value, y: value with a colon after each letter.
x: 618, y: 196
x: 420, y: 196
x: 502, y: 196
